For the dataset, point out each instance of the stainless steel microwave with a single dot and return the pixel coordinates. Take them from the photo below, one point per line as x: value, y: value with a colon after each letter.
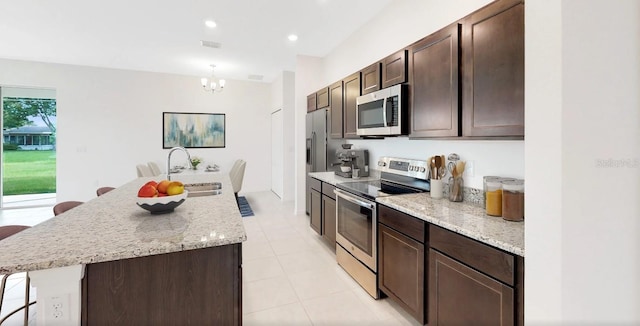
x: 383, y: 112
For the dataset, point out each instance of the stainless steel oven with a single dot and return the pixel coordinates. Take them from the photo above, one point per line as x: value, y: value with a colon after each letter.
x: 357, y: 218
x: 356, y: 227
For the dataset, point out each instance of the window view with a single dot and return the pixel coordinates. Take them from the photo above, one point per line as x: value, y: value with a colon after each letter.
x: 28, y: 147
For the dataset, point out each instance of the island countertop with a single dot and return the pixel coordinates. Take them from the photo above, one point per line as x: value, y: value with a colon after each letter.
x: 113, y: 227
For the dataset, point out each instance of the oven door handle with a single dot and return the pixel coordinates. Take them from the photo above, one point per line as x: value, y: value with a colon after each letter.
x: 353, y: 199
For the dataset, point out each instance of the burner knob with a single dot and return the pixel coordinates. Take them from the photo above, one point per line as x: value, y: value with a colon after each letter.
x: 422, y: 169
x: 382, y: 163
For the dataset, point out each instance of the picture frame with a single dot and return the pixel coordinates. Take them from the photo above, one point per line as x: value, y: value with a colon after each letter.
x: 193, y: 130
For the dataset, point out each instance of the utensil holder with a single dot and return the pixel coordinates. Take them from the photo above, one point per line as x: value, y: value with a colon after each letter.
x: 455, y: 189
x: 436, y: 188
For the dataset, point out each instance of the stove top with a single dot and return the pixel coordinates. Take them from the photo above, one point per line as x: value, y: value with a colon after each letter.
x: 397, y: 176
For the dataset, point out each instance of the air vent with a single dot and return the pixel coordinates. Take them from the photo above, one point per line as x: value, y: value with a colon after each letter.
x: 210, y: 44
x: 255, y: 77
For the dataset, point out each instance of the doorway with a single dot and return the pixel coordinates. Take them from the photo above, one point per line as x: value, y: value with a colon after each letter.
x: 28, y: 153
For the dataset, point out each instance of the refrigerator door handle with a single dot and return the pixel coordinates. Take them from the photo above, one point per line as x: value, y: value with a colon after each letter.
x: 313, y: 151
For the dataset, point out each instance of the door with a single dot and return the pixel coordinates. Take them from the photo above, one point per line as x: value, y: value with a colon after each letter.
x: 28, y: 147
x: 277, y: 153
x: 356, y: 229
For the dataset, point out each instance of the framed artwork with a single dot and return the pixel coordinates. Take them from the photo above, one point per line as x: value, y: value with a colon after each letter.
x: 193, y: 130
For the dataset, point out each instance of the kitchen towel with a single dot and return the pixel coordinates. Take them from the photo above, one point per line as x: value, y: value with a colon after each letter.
x: 245, y: 209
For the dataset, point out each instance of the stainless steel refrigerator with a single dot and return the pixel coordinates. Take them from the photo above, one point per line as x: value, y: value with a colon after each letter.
x: 321, y: 152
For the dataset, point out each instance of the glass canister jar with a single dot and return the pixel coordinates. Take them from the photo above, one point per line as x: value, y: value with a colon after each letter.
x: 493, y: 203
x: 484, y: 187
x: 513, y: 200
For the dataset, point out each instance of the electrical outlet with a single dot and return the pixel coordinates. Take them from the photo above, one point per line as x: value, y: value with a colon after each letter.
x: 469, y: 169
x: 58, y: 307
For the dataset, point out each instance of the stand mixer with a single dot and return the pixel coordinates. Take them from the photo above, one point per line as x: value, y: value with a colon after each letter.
x: 353, y: 159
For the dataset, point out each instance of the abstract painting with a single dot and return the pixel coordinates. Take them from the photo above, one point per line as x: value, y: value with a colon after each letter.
x: 193, y: 130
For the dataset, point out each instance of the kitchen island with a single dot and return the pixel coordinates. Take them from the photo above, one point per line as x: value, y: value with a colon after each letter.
x: 110, y: 262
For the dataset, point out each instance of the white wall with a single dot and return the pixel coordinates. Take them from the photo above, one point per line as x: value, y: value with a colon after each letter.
x: 110, y: 120
x: 283, y: 97
x: 582, y: 230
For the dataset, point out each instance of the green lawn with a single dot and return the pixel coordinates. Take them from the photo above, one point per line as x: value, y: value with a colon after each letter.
x: 29, y: 172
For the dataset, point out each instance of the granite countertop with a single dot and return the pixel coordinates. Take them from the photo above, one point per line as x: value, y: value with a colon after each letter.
x: 466, y: 219
x: 333, y: 179
x: 113, y: 227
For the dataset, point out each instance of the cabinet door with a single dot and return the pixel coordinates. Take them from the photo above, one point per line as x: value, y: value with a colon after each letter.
x: 371, y: 78
x: 311, y: 102
x: 351, y: 92
x: 493, y: 70
x: 433, y: 76
x: 394, y: 69
x: 401, y: 270
x: 329, y: 221
x: 322, y: 98
x: 460, y: 295
x: 335, y: 93
x: 316, y: 211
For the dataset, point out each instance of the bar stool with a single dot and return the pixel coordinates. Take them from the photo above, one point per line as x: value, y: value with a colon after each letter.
x: 5, y: 232
x: 65, y: 206
x: 103, y: 190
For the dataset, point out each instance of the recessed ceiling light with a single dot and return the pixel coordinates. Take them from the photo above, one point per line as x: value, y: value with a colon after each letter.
x: 210, y: 23
x: 293, y: 37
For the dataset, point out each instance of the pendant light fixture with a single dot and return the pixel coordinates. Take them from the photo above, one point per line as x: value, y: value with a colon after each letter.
x: 212, y: 84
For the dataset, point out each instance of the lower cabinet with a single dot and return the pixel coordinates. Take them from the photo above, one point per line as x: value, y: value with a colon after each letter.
x: 329, y: 215
x: 471, y: 283
x: 315, y: 204
x: 401, y: 260
x: 315, y: 212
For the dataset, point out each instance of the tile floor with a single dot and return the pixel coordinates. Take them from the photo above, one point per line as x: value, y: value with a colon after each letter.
x: 290, y: 276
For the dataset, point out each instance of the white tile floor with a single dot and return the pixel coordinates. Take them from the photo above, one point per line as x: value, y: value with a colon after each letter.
x: 290, y: 274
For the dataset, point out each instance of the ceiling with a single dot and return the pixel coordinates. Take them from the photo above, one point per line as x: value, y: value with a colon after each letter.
x: 164, y: 36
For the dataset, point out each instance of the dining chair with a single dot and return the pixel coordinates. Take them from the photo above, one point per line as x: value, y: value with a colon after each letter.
x: 103, y: 190
x: 65, y: 206
x: 144, y: 170
x: 155, y: 168
x: 5, y: 232
x: 237, y: 176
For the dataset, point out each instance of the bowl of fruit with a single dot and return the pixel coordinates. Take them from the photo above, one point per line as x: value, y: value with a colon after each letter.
x: 161, y: 197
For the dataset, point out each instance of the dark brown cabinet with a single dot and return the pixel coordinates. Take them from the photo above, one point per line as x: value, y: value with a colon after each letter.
x: 315, y: 203
x: 329, y: 215
x: 200, y: 286
x: 351, y: 87
x: 311, y: 102
x: 335, y: 110
x: 371, y: 78
x: 471, y: 283
x: 322, y: 98
x: 493, y: 70
x: 394, y: 69
x: 434, y: 87
x: 401, y: 260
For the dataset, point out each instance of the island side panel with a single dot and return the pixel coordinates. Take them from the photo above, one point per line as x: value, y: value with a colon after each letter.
x: 193, y: 287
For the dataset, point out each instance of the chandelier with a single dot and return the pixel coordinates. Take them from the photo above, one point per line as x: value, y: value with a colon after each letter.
x: 212, y: 84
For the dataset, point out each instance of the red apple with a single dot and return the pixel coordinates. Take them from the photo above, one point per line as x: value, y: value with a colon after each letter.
x: 147, y: 191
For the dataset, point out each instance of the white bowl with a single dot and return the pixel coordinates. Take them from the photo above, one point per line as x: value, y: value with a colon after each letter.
x: 345, y: 168
x: 161, y: 205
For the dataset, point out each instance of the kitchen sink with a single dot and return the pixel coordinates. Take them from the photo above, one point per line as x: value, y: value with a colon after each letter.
x: 203, y: 189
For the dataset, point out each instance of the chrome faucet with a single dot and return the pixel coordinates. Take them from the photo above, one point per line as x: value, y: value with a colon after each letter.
x: 169, y: 160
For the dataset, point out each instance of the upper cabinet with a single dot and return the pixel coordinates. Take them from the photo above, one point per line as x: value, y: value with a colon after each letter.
x: 371, y: 78
x: 311, y: 102
x: 351, y: 91
x: 335, y: 108
x: 322, y: 98
x: 433, y: 80
x: 394, y: 69
x: 493, y: 70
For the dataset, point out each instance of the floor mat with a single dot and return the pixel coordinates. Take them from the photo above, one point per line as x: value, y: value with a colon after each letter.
x: 245, y: 209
